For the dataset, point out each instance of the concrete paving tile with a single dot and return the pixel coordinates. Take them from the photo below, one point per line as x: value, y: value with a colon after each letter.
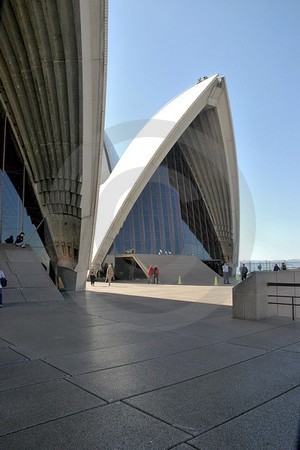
x: 66, y: 332
x: 23, y: 309
x: 278, y: 321
x: 35, y: 278
x: 222, y: 327
x: 3, y: 257
x: 11, y: 297
x: 31, y: 405
x: 64, y: 327
x: 133, y: 379
x: 293, y: 347
x: 42, y: 294
x: 53, y: 309
x: 270, y: 339
x: 183, y: 447
x: 17, y: 254
x: 109, y: 427
x: 8, y: 355
x: 164, y: 322
x: 41, y: 330
x: 125, y: 354
x: 273, y: 425
x: 21, y: 268
x: 64, y: 345
x: 3, y: 343
x: 203, y: 311
x: 206, y: 402
x: 26, y: 373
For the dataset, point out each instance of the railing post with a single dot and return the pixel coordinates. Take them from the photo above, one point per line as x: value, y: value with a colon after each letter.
x: 293, y: 309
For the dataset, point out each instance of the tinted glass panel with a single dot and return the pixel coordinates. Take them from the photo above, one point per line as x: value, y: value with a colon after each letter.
x: 173, y: 216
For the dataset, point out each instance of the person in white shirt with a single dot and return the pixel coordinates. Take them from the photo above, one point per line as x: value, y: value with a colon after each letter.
x: 1, y: 276
x: 225, y: 269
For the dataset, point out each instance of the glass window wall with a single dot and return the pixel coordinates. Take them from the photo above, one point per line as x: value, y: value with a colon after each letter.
x: 170, y: 215
x: 19, y: 210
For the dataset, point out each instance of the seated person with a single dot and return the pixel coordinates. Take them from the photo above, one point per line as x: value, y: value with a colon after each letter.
x: 20, y: 240
x: 10, y: 240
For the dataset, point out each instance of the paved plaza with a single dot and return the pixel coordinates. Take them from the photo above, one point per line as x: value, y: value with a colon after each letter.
x: 137, y: 366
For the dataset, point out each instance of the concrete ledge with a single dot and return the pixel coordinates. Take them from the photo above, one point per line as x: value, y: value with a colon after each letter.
x: 250, y: 297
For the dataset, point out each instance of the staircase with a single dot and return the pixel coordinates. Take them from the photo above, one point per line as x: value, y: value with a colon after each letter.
x: 191, y: 270
x: 27, y: 280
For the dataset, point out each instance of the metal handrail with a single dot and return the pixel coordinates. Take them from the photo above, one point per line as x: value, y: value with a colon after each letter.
x: 293, y: 304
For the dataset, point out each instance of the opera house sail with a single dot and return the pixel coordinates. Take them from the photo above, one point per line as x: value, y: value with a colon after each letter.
x: 52, y: 94
x: 175, y: 189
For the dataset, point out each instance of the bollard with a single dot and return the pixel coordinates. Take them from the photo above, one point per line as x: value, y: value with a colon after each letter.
x: 179, y: 280
x: 216, y: 282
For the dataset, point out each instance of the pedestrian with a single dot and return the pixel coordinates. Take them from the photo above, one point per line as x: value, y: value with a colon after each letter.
x: 20, y: 240
x: 155, y: 274
x: 244, y: 272
x: 225, y: 269
x: 92, y: 278
x: 109, y: 273
x: 259, y: 266
x: 10, y: 240
x: 150, y: 275
x: 1, y: 276
x: 283, y: 266
x: 276, y: 268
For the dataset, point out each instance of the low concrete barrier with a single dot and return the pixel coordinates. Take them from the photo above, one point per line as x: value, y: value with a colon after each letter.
x: 250, y: 297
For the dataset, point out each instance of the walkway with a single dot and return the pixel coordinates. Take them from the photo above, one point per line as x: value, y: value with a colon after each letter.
x: 146, y: 367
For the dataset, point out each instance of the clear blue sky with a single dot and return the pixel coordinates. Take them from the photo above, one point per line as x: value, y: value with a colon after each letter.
x: 159, y: 48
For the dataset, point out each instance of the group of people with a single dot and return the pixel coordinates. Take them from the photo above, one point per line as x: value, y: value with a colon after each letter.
x: 153, y: 273
x: 225, y: 270
x: 19, y: 240
x: 244, y: 271
x: 108, y: 277
x: 1, y: 276
x: 20, y: 243
x: 276, y: 267
x: 200, y: 79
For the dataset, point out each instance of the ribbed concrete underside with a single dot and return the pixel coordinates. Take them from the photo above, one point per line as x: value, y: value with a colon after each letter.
x: 203, y: 148
x: 52, y: 91
x: 40, y: 86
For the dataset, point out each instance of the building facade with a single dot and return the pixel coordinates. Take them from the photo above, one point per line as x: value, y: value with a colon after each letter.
x: 175, y: 189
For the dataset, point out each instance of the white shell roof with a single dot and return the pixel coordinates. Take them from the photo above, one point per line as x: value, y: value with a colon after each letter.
x: 119, y: 192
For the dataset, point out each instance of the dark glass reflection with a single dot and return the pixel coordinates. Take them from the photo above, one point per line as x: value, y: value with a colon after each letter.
x: 170, y: 216
x: 16, y: 191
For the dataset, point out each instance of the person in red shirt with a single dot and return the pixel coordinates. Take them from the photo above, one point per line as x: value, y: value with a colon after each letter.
x: 155, y: 275
x: 150, y: 275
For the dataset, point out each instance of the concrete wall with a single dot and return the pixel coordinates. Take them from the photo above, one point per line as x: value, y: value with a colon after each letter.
x: 250, y: 298
x: 27, y: 279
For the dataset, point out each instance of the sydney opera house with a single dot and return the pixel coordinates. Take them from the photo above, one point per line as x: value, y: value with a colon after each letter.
x: 175, y: 189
